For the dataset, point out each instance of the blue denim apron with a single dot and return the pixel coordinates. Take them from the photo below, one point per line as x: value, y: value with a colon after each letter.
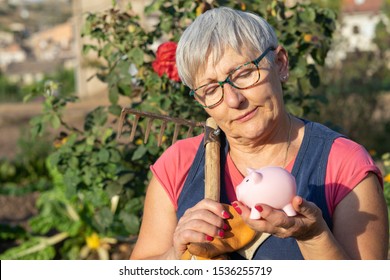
x: 309, y: 171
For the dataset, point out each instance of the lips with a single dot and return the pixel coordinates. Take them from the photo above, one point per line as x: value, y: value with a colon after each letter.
x: 247, y: 116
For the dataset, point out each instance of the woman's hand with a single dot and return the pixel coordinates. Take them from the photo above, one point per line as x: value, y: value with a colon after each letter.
x: 306, y: 225
x: 201, y: 223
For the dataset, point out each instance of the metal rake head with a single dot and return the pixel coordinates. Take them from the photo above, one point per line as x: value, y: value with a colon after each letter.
x: 150, y: 118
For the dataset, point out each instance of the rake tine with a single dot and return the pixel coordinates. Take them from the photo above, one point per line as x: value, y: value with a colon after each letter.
x: 121, y: 121
x: 190, y: 130
x: 162, y: 130
x: 151, y: 117
x: 176, y: 133
x: 148, y: 128
x: 134, y: 128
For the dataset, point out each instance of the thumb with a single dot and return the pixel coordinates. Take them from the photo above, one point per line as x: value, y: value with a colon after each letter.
x: 305, y: 207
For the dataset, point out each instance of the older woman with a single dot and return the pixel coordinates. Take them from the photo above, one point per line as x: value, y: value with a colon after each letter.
x: 234, y: 65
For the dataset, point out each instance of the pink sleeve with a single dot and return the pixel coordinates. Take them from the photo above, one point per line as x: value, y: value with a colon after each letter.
x: 172, y: 167
x: 348, y: 164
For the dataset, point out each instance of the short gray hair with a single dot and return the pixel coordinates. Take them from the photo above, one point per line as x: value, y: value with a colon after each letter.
x: 214, y: 31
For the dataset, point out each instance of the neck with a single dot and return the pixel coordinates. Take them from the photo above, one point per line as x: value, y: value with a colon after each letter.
x: 274, y: 152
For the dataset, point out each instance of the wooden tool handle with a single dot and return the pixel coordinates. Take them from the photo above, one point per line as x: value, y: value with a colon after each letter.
x: 212, y: 168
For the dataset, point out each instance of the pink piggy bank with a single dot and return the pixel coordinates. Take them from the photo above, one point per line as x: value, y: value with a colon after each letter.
x: 273, y: 186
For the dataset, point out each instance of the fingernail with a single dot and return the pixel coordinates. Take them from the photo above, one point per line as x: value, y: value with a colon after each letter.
x: 238, y: 210
x: 221, y: 233
x: 209, y: 238
x: 225, y: 214
x: 225, y: 226
x: 259, y: 208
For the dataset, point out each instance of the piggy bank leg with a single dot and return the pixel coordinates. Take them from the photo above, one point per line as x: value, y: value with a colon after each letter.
x: 289, y: 210
x: 255, y: 215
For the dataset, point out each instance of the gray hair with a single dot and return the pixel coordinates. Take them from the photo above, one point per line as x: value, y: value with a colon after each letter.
x: 216, y: 30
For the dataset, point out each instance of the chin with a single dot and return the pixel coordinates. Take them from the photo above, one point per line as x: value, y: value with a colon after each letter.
x: 247, y: 132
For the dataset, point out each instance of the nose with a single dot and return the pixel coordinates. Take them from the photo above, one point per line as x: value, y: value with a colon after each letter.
x: 232, y: 96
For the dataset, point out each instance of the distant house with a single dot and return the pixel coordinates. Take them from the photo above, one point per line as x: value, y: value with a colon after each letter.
x: 358, y: 21
x: 356, y: 28
x: 53, y: 43
x: 12, y: 53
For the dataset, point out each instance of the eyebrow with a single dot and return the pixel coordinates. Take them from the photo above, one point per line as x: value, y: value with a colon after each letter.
x: 231, y: 69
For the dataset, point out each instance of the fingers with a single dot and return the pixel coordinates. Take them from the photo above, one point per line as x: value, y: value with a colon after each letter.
x: 212, y: 206
x: 275, y: 221
x: 306, y: 208
x: 201, y: 223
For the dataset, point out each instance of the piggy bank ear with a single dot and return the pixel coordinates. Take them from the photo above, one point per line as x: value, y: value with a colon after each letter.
x: 249, y: 170
x: 257, y: 177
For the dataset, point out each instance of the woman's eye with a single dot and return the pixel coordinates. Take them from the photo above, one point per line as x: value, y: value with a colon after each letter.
x: 210, y: 90
x: 243, y: 73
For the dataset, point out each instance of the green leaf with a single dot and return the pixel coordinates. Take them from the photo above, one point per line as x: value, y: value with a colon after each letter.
x: 73, y: 162
x: 308, y: 15
x: 18, y: 253
x: 87, y: 48
x: 137, y: 56
x: 130, y: 221
x: 139, y: 153
x: 294, y: 109
x: 71, y: 180
x: 104, y: 217
x: 154, y: 6
x: 314, y: 76
x: 115, y: 110
x: 113, y: 188
x: 115, y: 156
x: 27, y: 97
x: 103, y: 156
x: 125, y: 178
x: 113, y: 96
x: 166, y: 24
x: 11, y: 232
x: 153, y: 82
x: 124, y: 88
x: 36, y: 130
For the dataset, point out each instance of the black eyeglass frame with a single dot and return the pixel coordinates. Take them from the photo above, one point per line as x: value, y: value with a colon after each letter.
x: 228, y: 80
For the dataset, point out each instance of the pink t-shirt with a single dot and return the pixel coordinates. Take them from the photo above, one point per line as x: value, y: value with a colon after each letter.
x: 348, y: 164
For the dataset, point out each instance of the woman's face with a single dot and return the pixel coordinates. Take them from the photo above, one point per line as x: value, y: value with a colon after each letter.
x: 248, y: 114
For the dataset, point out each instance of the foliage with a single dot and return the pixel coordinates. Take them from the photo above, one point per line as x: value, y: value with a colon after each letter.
x: 16, y: 92
x: 386, y: 163
x: 94, y: 187
x: 335, y: 5
x: 99, y: 183
x: 304, y: 30
x: 26, y: 172
x: 9, y: 91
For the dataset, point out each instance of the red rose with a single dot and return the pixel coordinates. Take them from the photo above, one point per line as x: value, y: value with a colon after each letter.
x: 165, y: 62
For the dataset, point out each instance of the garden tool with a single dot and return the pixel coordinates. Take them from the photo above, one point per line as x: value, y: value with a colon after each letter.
x: 150, y: 118
x: 240, y: 237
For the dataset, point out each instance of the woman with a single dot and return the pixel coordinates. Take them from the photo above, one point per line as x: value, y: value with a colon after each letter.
x: 232, y: 62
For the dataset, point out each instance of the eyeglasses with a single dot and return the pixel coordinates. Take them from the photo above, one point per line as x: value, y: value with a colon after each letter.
x: 241, y: 77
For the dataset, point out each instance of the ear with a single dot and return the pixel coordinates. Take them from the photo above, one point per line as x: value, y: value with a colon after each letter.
x: 281, y: 62
x: 249, y: 170
x: 257, y: 177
